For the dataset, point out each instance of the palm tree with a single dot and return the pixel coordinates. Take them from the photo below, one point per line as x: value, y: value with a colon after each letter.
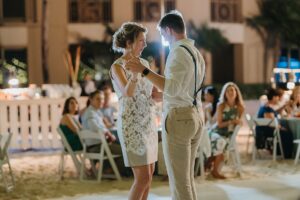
x: 44, y: 46
x: 206, y: 38
x: 277, y: 21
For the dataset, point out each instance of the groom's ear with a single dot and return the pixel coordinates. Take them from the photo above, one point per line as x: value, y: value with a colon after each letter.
x: 168, y: 30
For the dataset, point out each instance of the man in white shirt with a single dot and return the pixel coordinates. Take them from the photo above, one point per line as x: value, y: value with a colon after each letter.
x: 92, y: 119
x: 182, y: 111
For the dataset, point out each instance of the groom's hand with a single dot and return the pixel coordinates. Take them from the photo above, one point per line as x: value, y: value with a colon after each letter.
x: 135, y: 65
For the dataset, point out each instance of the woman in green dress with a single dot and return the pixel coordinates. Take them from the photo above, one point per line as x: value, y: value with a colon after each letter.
x: 70, y: 125
x: 229, y: 112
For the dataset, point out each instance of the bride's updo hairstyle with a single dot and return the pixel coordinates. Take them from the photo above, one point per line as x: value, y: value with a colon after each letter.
x: 129, y: 31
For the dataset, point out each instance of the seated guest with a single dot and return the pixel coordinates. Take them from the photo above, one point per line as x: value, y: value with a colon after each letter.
x: 108, y: 110
x: 294, y: 106
x: 210, y: 108
x: 229, y: 112
x: 70, y: 125
x: 92, y: 119
x: 211, y: 100
x: 264, y: 132
x: 281, y: 106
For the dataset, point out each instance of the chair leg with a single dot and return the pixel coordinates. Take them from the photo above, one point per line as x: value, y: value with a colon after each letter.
x: 61, y: 166
x: 238, y: 162
x: 297, y: 154
x: 197, y: 166
x: 274, y: 148
x: 254, y: 151
x: 82, y: 168
x: 280, y: 145
x: 112, y: 162
x: 100, y: 170
x: 11, y: 173
x: 201, y: 161
x: 248, y: 142
x: 7, y: 188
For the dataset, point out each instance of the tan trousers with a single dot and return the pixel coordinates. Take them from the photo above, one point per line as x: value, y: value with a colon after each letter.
x: 181, y: 137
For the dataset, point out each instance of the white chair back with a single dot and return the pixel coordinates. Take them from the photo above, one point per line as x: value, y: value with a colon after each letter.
x: 104, y: 153
x: 4, y: 143
x: 67, y: 150
x: 255, y: 121
x: 233, y: 150
x: 4, y: 159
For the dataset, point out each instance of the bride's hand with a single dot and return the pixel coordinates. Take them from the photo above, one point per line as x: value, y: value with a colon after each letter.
x: 156, y: 95
x: 135, y: 65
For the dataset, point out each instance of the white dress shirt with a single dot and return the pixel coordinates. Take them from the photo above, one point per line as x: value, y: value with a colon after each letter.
x: 92, y: 119
x: 180, y: 75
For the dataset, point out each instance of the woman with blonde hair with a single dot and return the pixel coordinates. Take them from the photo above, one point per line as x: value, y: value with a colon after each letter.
x: 294, y: 104
x: 229, y: 114
x: 136, y: 118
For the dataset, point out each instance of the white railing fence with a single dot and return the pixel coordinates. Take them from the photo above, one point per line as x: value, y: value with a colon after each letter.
x: 33, y: 122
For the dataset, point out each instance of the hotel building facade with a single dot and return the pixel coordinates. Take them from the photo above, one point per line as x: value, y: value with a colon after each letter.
x: 22, y: 32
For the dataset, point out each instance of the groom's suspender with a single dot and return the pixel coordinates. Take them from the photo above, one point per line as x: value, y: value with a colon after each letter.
x: 201, y: 87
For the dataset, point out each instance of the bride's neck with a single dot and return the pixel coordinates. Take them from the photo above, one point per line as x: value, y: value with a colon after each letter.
x: 128, y: 54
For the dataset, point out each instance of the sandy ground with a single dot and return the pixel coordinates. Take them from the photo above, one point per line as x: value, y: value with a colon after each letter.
x: 37, y: 178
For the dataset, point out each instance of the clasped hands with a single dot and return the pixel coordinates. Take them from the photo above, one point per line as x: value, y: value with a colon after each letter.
x: 134, y: 65
x: 235, y: 122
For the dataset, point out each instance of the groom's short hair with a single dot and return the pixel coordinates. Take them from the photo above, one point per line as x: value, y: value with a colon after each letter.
x: 173, y: 20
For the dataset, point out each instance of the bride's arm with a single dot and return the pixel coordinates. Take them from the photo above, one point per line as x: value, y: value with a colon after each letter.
x: 127, y: 86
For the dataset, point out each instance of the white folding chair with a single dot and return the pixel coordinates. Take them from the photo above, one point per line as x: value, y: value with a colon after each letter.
x: 67, y: 150
x: 233, y: 150
x: 251, y: 126
x: 104, y: 153
x: 254, y: 121
x: 204, y: 149
x: 4, y: 159
x: 298, y: 151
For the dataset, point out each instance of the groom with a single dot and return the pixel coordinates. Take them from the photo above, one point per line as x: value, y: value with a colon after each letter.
x: 182, y: 110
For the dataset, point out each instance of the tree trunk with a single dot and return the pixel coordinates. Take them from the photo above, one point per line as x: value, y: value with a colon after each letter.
x: 44, y: 43
x: 265, y: 63
x: 276, y: 53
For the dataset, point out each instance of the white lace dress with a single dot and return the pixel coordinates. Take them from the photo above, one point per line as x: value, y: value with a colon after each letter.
x: 136, y: 123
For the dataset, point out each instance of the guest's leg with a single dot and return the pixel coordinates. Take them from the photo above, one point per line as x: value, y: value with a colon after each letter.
x: 208, y: 163
x: 260, y: 139
x: 217, y: 166
x: 142, y: 181
x: 218, y: 146
x: 287, y: 143
x: 94, y: 149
